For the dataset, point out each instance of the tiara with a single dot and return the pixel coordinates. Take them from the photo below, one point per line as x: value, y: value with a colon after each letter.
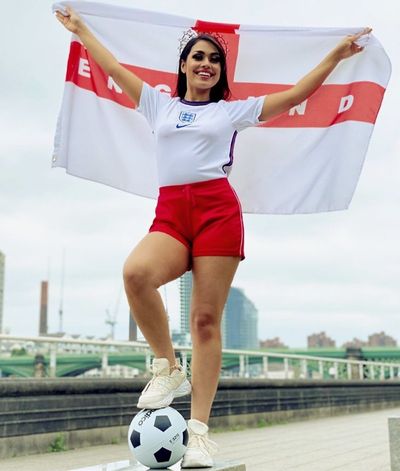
x: 191, y: 33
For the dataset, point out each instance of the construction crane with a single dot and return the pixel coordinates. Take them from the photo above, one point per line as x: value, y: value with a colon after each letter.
x: 111, y: 319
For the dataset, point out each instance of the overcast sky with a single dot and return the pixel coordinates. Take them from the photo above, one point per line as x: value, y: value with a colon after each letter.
x: 338, y: 272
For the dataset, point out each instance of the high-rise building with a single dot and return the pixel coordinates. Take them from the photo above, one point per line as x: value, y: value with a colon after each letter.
x: 241, y: 321
x: 2, y: 273
x: 185, y: 295
x: 44, y: 299
x: 182, y: 339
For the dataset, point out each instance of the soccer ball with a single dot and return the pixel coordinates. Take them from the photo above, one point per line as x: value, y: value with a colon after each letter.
x: 158, y: 438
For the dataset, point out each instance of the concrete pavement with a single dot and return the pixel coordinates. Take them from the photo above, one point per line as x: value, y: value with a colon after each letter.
x: 356, y: 442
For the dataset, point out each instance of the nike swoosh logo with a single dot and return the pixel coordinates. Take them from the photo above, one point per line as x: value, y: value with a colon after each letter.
x: 182, y: 125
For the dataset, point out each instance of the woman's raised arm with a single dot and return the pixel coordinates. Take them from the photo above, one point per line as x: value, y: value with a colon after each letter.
x: 130, y: 83
x: 277, y: 103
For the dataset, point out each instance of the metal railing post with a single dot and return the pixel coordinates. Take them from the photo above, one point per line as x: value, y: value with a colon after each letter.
x: 348, y: 368
x: 53, y: 361
x: 382, y: 372
x: 184, y: 360
x: 241, y: 366
x: 360, y: 371
x: 286, y: 367
x: 304, y: 368
x: 372, y: 371
x: 104, y: 363
x: 336, y: 369
x: 265, y: 366
x: 148, y: 362
x: 321, y: 368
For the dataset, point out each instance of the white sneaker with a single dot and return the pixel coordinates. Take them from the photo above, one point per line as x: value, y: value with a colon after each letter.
x: 164, y: 386
x: 200, y: 447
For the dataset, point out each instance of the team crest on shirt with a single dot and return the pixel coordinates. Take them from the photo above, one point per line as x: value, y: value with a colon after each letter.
x: 186, y: 118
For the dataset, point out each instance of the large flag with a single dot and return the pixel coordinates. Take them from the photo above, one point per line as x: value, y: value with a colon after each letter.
x: 306, y: 160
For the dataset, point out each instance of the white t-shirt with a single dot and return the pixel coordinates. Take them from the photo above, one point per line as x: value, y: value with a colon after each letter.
x: 195, y: 140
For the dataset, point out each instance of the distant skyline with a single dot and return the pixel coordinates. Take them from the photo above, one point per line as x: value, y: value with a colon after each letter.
x: 336, y: 272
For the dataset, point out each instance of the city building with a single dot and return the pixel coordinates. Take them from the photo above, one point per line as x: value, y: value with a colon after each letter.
x: 185, y: 295
x: 182, y: 337
x: 276, y: 342
x: 241, y: 321
x: 355, y: 343
x: 320, y: 340
x: 2, y: 274
x: 381, y: 340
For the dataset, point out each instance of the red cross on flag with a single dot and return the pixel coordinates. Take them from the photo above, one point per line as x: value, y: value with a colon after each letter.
x: 306, y: 160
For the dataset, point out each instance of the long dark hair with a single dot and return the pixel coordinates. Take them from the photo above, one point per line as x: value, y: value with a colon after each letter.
x: 220, y: 91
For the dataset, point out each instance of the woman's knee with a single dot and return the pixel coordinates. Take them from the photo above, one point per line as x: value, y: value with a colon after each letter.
x: 138, y: 277
x: 205, y: 323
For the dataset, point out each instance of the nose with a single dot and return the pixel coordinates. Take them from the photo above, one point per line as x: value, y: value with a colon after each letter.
x: 206, y: 62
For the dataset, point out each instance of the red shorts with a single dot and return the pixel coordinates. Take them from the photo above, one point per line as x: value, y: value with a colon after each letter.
x: 205, y: 216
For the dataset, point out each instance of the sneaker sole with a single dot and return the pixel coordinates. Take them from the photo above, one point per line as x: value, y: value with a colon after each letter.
x: 196, y: 465
x: 196, y: 462
x: 184, y: 389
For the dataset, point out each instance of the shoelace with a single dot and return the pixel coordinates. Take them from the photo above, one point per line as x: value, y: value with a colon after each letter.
x: 159, y: 381
x: 201, y: 441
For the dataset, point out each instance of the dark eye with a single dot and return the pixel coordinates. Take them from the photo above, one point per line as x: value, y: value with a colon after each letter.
x: 215, y: 59
x: 198, y: 56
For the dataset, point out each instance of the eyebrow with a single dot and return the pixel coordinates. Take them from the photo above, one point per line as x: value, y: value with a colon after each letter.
x: 211, y: 53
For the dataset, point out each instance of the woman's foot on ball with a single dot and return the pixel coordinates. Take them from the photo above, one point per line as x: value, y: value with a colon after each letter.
x: 164, y: 386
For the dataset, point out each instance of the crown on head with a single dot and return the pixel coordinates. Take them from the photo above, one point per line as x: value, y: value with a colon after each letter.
x: 191, y: 33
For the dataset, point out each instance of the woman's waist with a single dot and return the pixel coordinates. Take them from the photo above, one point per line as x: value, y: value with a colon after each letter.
x: 198, y: 184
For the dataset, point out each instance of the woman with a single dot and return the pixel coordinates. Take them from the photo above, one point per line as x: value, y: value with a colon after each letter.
x: 198, y: 223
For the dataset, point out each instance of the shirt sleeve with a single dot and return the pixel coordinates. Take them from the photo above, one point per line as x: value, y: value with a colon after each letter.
x: 150, y: 103
x: 244, y: 113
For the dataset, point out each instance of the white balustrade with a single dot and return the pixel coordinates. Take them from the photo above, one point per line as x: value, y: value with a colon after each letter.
x: 371, y: 369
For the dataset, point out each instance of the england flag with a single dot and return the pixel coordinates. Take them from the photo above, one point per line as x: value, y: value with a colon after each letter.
x: 306, y: 160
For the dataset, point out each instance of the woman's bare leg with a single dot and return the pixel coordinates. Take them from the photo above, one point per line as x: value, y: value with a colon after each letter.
x: 156, y: 260
x: 212, y: 278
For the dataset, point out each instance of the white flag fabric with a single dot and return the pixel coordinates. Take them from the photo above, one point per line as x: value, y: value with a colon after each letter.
x: 303, y: 161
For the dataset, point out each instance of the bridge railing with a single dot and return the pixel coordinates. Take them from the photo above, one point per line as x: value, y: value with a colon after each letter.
x: 244, y: 363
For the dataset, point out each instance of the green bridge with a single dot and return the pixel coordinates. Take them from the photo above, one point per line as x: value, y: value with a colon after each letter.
x: 77, y: 364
